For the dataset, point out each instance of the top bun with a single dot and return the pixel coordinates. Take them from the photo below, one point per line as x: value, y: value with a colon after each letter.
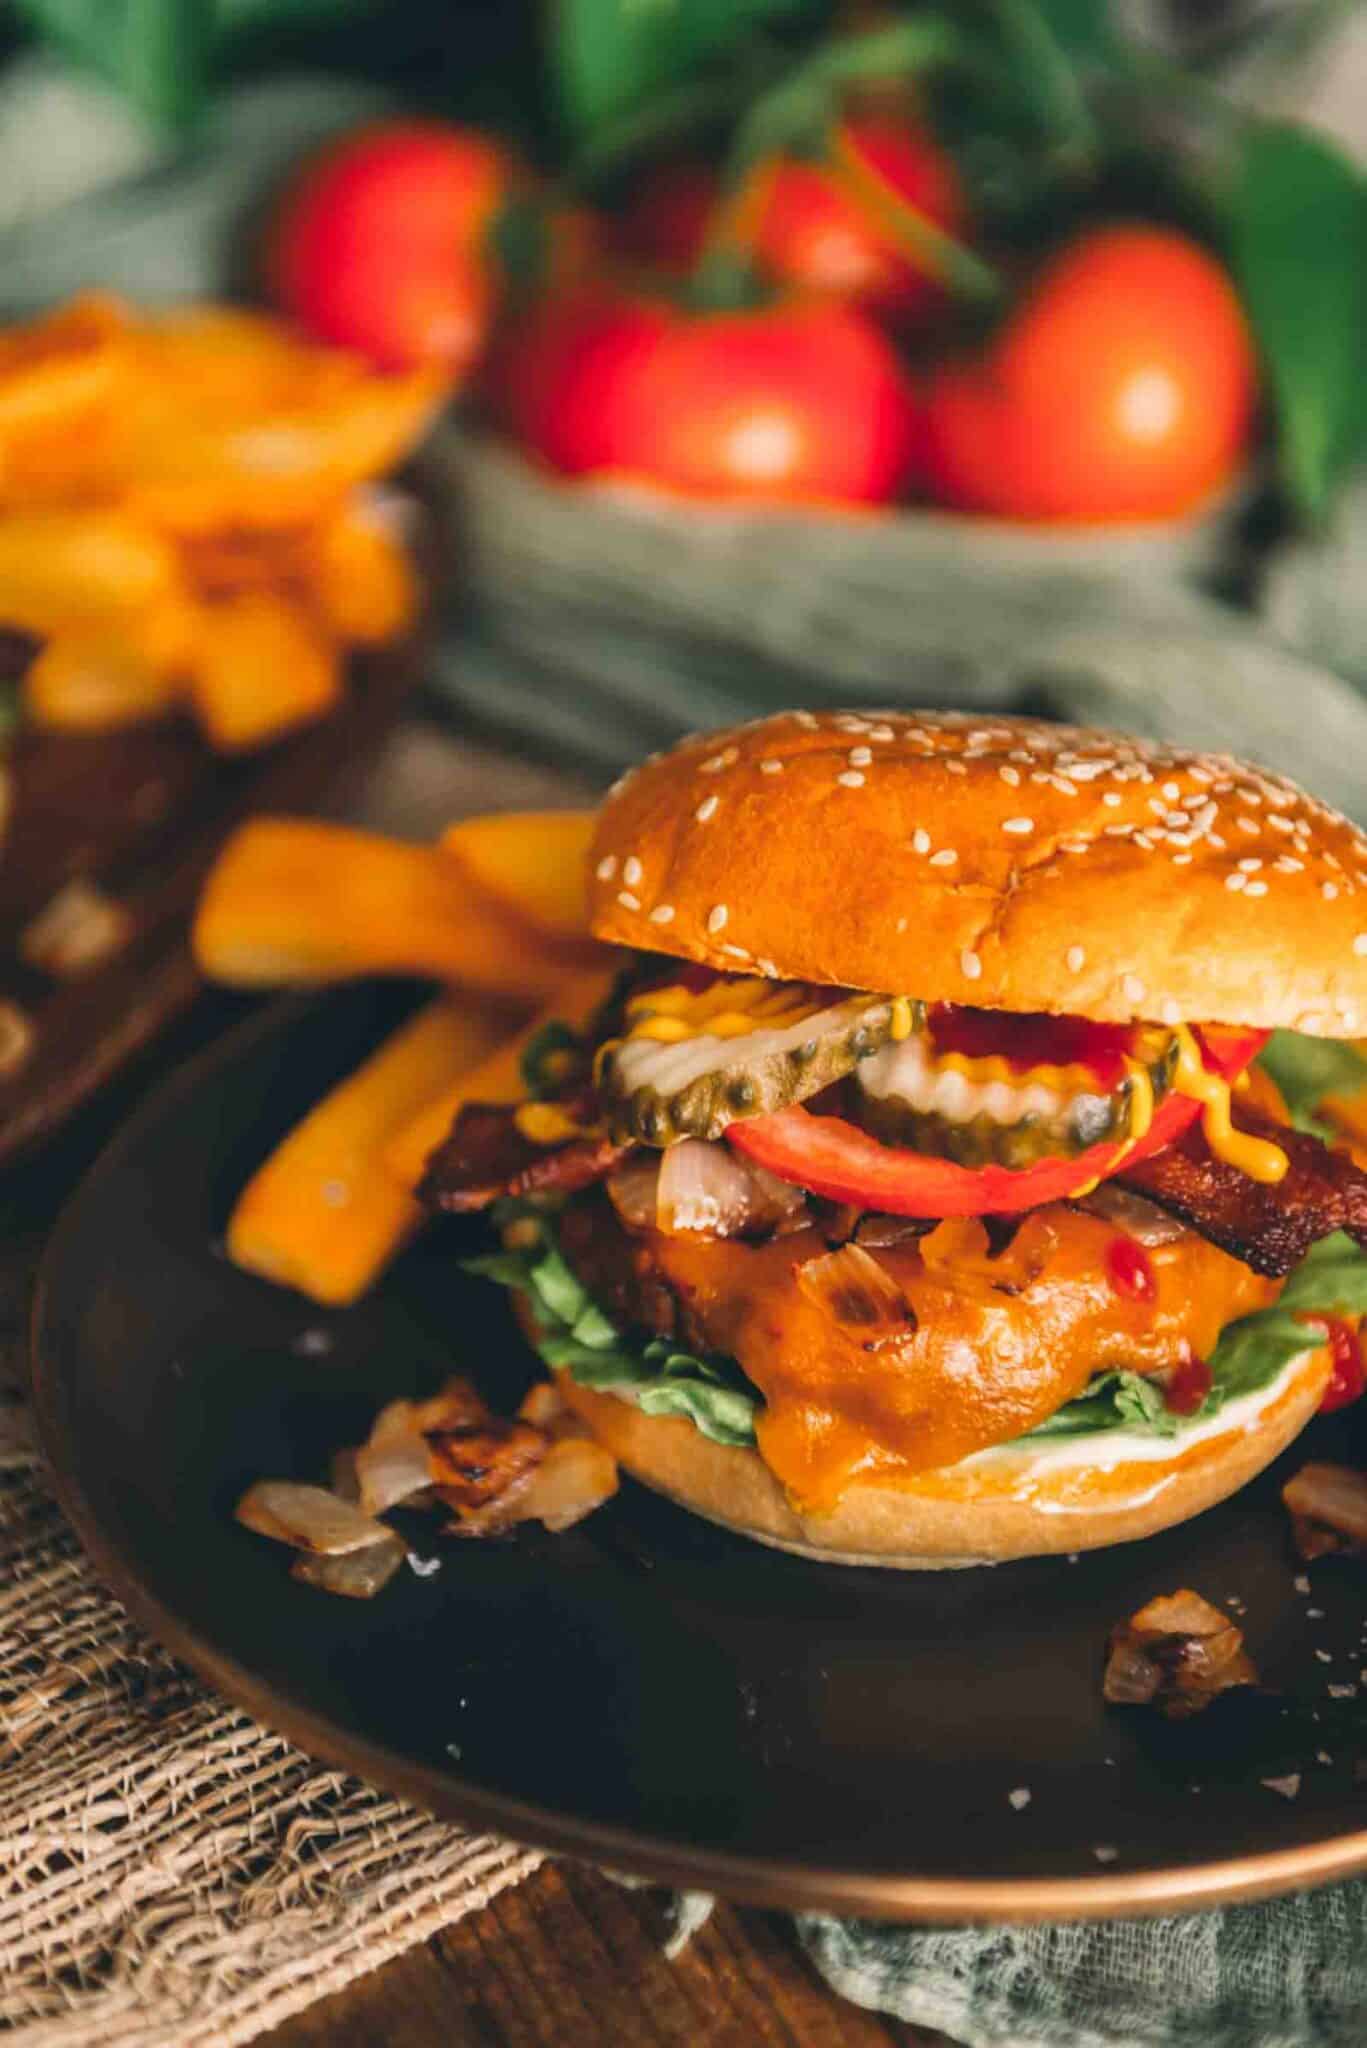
x: 1002, y: 862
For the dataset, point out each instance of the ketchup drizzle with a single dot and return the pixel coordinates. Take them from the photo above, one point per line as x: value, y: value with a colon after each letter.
x: 1130, y: 1270
x: 1187, y: 1386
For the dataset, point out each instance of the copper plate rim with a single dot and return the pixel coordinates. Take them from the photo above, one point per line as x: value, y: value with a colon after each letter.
x: 753, y: 1880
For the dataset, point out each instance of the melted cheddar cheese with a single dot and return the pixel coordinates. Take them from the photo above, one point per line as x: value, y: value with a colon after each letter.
x: 998, y: 1343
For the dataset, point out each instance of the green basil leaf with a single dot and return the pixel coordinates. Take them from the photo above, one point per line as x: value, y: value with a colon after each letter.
x: 610, y: 57
x: 1307, y: 1069
x: 1299, y: 243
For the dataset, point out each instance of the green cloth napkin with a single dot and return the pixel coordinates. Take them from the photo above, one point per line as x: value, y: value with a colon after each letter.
x: 598, y: 629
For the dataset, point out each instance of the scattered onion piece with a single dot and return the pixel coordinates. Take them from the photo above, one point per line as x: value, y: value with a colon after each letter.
x: 309, y: 1517
x: 358, y: 1574
x: 1328, y: 1509
x: 858, y: 1295
x: 1177, y: 1654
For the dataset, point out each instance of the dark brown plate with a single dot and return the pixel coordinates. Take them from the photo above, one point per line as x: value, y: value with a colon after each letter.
x: 648, y: 1691
x: 141, y: 814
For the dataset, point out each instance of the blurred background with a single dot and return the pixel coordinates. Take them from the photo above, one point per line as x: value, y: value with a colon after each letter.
x: 983, y: 351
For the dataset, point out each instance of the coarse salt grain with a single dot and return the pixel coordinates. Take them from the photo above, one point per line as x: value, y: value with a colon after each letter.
x: 1020, y: 1798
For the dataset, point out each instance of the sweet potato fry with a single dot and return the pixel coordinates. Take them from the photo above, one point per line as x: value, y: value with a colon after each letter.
x: 87, y: 682
x: 292, y: 902
x: 497, y: 1078
x: 324, y: 1215
x: 535, y: 861
x: 360, y: 576
x: 61, y: 569
x: 262, y: 667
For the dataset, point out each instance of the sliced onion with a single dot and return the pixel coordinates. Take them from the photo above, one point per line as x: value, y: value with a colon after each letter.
x: 309, y: 1517
x: 707, y: 1188
x: 392, y: 1471
x: 860, y: 1296
x: 1177, y: 1654
x: 576, y: 1476
x: 1143, y: 1221
x: 1334, y: 1497
x: 358, y: 1574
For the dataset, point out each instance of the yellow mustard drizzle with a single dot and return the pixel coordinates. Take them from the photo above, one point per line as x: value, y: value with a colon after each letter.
x: 900, y: 1019
x: 1253, y: 1156
x: 728, y: 1010
x: 545, y: 1123
x: 1074, y: 1079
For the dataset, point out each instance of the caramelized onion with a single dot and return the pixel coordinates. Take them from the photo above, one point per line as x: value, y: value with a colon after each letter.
x: 357, y: 1574
x: 392, y: 1471
x: 699, y: 1187
x: 853, y: 1290
x: 1328, y: 1506
x: 309, y: 1517
x: 1178, y: 1653
x: 1144, y: 1221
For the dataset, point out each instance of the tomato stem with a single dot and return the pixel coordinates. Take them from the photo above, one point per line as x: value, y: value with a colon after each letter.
x: 915, y: 234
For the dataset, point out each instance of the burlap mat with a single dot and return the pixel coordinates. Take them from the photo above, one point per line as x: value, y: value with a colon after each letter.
x: 169, y: 1872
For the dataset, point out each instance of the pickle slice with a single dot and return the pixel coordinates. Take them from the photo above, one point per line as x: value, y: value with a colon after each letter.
x: 657, y: 1092
x: 1049, y: 1125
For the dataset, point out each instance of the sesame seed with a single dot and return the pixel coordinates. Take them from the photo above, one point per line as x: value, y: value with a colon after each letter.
x: 1112, y: 798
x: 1169, y: 1011
x: 768, y: 967
x: 1010, y: 774
x: 1256, y: 889
x: 632, y: 872
x: 607, y: 867
x: 713, y: 766
x: 972, y: 966
x: 1019, y: 826
x: 627, y: 900
x: 1133, y: 989
x: 1236, y: 881
x: 706, y: 809
x: 1172, y: 790
x: 716, y: 917
x: 850, y: 778
x: 1181, y: 860
x: 771, y: 767
x: 806, y: 719
x: 1076, y: 959
x: 1329, y: 890
x: 1288, y: 864
x: 956, y: 768
x: 920, y: 840
x: 1249, y: 825
x: 860, y: 757
x: 901, y: 924
x: 945, y: 858
x: 881, y: 732
x: 736, y: 952
x: 1360, y: 944
x: 663, y: 913
x: 1250, y: 864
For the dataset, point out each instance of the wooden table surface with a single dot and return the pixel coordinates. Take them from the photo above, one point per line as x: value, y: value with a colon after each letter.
x: 567, y: 1959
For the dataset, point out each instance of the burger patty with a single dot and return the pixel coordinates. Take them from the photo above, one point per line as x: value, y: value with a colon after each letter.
x: 625, y: 1275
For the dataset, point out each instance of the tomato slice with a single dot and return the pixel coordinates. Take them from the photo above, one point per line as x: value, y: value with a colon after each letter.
x: 831, y: 1157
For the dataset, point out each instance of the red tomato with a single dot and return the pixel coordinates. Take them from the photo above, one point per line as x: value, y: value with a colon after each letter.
x: 801, y: 401
x: 814, y: 236
x: 380, y: 243
x: 665, y: 220
x: 798, y: 402
x: 836, y: 1159
x: 1123, y: 387
x: 564, y: 379
x: 1347, y: 1376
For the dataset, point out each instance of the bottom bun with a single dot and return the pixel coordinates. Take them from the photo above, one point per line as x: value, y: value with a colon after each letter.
x: 1061, y: 1496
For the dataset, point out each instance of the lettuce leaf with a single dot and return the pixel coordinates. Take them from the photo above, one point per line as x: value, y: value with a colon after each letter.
x: 573, y: 1333
x: 1307, y: 1069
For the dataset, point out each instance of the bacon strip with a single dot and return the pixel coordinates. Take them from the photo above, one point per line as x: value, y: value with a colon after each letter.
x: 1268, y: 1227
x: 486, y: 1156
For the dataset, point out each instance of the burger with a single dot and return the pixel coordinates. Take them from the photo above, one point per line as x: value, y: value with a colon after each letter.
x: 921, y: 1193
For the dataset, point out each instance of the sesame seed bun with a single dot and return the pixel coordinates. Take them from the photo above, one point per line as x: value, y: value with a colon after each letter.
x: 998, y: 1505
x: 1002, y: 862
